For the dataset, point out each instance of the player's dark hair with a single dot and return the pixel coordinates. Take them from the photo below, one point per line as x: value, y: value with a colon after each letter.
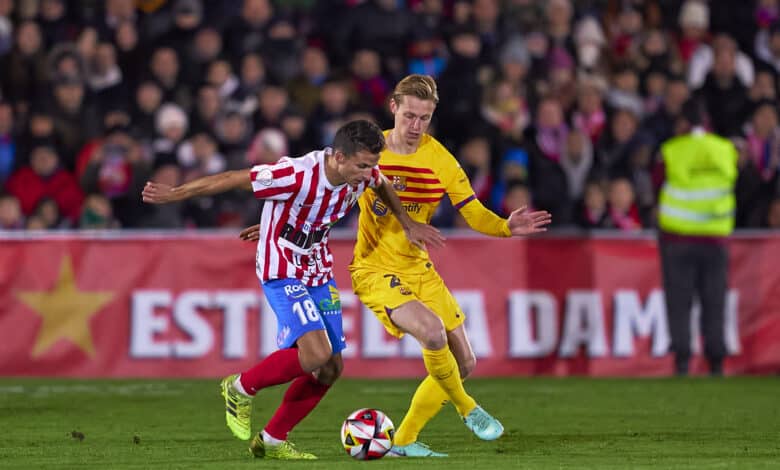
x: 358, y: 135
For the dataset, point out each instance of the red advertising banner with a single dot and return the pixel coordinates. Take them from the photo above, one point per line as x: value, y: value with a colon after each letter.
x: 191, y: 306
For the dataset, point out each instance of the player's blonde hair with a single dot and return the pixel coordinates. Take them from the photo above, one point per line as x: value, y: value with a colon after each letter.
x: 419, y: 86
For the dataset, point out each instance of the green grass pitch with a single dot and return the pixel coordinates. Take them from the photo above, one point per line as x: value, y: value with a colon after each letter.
x: 551, y: 423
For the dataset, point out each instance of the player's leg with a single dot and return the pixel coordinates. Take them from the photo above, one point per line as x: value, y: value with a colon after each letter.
x: 301, y: 397
x: 419, y: 321
x: 428, y: 400
x: 304, y: 347
x: 305, y: 392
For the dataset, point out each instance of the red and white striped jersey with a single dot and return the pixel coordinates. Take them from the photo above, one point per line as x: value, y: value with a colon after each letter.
x: 300, y: 208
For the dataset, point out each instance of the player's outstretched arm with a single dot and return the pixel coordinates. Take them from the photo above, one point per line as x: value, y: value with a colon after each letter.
x: 157, y: 193
x: 521, y: 222
x: 418, y: 233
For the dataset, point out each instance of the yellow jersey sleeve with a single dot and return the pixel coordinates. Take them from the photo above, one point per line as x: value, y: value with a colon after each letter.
x: 462, y: 196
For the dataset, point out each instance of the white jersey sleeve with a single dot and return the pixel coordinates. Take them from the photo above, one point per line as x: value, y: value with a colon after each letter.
x: 278, y: 182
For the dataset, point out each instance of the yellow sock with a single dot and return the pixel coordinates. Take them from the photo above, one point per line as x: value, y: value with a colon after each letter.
x: 426, y: 403
x: 441, y: 365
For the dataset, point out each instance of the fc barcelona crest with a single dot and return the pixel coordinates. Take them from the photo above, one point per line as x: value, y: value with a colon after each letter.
x: 399, y: 183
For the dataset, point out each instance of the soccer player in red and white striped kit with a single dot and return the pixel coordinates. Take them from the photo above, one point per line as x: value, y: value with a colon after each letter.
x: 304, y: 197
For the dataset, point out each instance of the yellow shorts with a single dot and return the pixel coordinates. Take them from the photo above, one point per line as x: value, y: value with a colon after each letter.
x: 383, y: 291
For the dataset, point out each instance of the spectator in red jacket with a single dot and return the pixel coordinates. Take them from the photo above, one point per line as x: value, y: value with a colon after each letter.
x: 44, y: 177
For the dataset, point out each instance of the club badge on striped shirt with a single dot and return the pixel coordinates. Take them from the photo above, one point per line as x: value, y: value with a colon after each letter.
x: 265, y: 177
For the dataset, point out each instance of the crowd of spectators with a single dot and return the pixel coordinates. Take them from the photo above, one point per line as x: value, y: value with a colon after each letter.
x: 557, y: 104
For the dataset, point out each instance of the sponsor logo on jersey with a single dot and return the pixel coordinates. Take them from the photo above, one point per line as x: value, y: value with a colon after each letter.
x: 379, y: 208
x: 296, y: 291
x: 331, y: 305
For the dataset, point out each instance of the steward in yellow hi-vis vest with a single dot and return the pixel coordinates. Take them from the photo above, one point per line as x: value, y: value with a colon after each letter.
x: 698, y: 195
x: 696, y: 211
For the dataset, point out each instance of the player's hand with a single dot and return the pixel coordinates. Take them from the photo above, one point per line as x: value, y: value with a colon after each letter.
x: 250, y: 234
x: 424, y: 235
x: 522, y: 222
x: 157, y: 193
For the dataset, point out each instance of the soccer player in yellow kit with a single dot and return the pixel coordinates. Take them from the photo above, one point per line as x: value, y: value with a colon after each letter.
x: 397, y: 280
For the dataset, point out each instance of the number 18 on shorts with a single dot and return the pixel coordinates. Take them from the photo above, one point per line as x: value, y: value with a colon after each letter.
x: 300, y: 309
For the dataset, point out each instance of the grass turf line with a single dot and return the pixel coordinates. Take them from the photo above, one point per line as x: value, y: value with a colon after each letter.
x: 550, y: 423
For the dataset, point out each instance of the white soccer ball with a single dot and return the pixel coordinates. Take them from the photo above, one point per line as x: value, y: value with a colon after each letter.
x: 367, y: 434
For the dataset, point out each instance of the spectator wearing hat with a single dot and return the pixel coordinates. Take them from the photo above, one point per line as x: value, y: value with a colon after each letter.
x: 515, y: 61
x: 171, y: 124
x: 694, y: 21
x: 590, y: 40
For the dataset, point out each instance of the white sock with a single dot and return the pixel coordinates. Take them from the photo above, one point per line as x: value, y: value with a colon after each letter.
x: 270, y: 440
x: 237, y: 385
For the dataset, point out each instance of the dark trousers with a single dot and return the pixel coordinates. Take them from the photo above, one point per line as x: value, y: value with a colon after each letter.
x: 699, y: 269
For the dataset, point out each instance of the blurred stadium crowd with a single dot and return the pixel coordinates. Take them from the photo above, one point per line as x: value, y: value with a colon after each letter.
x: 558, y: 104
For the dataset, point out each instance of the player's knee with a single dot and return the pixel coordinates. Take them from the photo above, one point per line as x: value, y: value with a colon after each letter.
x: 329, y: 373
x: 433, y: 335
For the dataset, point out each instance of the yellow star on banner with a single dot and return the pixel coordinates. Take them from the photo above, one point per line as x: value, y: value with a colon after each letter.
x: 65, y: 311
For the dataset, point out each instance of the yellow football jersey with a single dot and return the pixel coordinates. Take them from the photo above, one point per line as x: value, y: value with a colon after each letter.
x: 421, y: 180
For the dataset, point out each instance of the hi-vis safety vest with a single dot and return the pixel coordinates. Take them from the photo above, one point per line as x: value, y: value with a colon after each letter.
x: 698, y: 195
